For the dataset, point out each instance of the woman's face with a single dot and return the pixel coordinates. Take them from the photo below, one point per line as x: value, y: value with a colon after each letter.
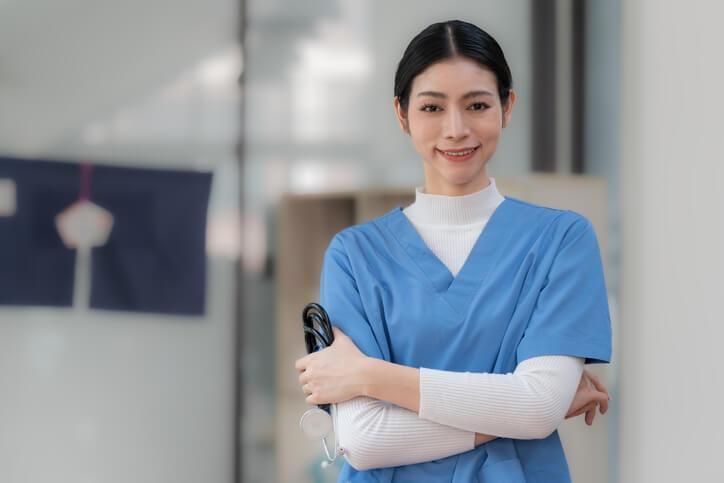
x: 455, y: 119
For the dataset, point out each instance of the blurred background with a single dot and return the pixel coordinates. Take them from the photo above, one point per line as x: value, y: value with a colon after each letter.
x: 171, y: 172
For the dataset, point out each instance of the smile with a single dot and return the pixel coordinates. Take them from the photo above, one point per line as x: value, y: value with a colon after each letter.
x: 459, y: 154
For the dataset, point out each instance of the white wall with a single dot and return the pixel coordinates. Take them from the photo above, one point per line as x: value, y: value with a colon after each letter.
x: 672, y: 428
x: 89, y: 396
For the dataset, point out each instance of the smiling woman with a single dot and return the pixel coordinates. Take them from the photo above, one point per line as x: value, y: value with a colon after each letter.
x: 455, y: 115
x: 454, y: 103
x: 463, y: 321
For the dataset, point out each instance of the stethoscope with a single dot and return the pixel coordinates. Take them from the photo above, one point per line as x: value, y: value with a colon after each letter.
x: 316, y: 423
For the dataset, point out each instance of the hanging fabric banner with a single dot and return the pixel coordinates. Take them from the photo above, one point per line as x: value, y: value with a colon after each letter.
x: 145, y: 229
x: 37, y: 268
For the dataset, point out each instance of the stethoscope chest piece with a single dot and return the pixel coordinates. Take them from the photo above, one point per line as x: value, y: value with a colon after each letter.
x: 316, y: 423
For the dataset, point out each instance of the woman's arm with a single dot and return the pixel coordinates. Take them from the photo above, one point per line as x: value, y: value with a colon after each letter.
x: 529, y: 403
x: 542, y: 387
x: 391, y: 382
x: 342, y: 373
x: 377, y: 434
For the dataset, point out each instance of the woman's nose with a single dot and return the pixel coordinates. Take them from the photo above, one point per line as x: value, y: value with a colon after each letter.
x: 455, y: 125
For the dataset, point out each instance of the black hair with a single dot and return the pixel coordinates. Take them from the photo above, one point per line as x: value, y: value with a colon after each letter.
x: 444, y: 40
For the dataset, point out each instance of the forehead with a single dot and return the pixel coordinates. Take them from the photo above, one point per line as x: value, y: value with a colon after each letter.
x: 455, y: 76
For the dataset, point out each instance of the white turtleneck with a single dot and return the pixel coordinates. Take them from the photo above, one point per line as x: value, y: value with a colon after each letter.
x: 450, y: 225
x: 529, y: 403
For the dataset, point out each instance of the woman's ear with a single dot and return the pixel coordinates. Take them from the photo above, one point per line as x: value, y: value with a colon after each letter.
x: 508, y: 108
x: 401, y: 115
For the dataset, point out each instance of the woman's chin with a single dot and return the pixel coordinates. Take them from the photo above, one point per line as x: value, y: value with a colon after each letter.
x: 464, y: 179
x: 466, y: 183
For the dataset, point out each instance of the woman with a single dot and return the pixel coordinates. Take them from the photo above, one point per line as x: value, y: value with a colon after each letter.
x: 463, y: 322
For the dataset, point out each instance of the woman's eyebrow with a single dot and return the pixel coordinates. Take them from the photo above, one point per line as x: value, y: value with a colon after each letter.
x: 442, y: 95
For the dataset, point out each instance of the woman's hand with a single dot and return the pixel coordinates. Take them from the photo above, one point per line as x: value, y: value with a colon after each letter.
x: 333, y: 374
x: 590, y: 393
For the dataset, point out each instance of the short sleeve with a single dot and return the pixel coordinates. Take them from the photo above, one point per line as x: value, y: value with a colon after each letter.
x: 571, y: 315
x: 340, y: 297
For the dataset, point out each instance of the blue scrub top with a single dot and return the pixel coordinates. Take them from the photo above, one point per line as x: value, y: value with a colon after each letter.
x: 532, y: 285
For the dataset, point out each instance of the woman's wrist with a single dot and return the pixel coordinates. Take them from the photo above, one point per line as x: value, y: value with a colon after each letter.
x: 365, y: 376
x: 394, y: 383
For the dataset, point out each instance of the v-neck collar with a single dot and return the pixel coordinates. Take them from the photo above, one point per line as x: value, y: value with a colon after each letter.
x: 485, y: 252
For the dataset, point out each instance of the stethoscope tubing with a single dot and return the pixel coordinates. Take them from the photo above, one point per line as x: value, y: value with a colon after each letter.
x: 317, y: 336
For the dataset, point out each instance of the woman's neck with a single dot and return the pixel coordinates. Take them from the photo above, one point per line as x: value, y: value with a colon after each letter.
x: 449, y: 189
x: 435, y: 209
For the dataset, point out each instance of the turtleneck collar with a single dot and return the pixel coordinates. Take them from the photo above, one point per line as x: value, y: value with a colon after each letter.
x: 454, y: 210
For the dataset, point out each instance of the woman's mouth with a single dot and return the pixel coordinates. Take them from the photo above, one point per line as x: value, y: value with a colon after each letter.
x: 458, y: 155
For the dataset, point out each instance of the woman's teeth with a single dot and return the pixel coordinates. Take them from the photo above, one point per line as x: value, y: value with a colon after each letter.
x: 463, y: 153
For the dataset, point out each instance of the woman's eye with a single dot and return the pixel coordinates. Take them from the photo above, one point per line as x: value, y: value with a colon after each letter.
x: 430, y: 108
x: 479, y: 106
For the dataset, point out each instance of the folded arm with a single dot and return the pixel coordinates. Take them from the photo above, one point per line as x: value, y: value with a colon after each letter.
x: 377, y: 434
x: 384, y: 429
x: 528, y: 404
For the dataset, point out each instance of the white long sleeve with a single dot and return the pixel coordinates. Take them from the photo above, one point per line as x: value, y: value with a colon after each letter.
x: 377, y: 434
x: 527, y: 404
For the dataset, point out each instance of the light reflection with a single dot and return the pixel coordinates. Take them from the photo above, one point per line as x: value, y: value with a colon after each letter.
x: 221, y: 69
x: 312, y: 176
x: 203, y: 99
x: 326, y: 62
x: 255, y: 241
x: 223, y: 235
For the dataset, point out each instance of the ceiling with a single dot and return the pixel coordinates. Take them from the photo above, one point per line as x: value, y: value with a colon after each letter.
x: 71, y: 72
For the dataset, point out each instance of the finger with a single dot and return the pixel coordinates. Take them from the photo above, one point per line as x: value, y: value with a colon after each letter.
x: 590, y: 415
x: 588, y: 407
x: 594, y: 412
x: 586, y: 378
x: 601, y: 398
x: 577, y: 412
x: 306, y: 389
x: 310, y: 399
x: 301, y: 363
x: 580, y: 411
x: 303, y: 377
x: 604, y: 405
x: 574, y: 414
x: 598, y: 384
